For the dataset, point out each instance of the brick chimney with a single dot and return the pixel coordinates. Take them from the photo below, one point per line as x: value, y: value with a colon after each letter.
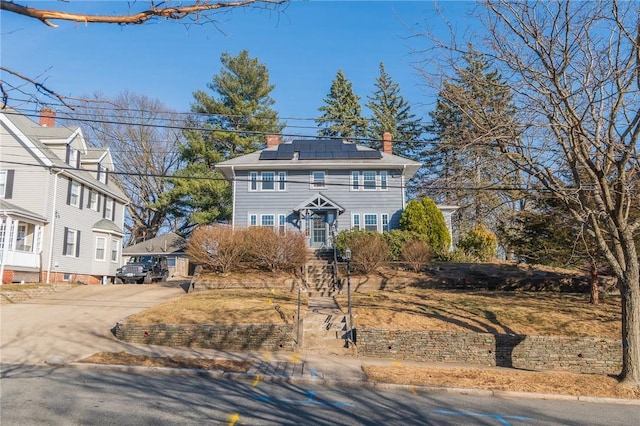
x: 387, y: 145
x: 47, y: 117
x: 273, y: 140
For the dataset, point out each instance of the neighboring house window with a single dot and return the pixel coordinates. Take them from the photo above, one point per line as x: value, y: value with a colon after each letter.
x: 171, y: 261
x: 267, y: 220
x: 371, y: 222
x: 318, y: 180
x: 282, y: 181
x: 2, y: 228
x: 6, y: 183
x: 102, y: 173
x: 282, y: 224
x: 115, y: 250
x: 355, y: 222
x: 71, y: 243
x: 93, y: 200
x: 385, y: 222
x: 383, y: 180
x: 74, y: 194
x: 268, y: 181
x: 101, y: 248
x: 73, y: 156
x: 108, y: 209
x: 369, y: 180
x: 253, y: 181
x: 253, y: 220
x: 21, y: 238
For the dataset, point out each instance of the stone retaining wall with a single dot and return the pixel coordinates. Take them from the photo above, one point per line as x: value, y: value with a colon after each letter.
x: 581, y: 355
x: 254, y: 281
x: 210, y: 336
x: 16, y: 296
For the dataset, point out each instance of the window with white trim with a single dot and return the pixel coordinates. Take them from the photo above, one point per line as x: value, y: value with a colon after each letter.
x: 268, y: 181
x: 371, y: 222
x: 355, y: 221
x: 74, y: 157
x: 253, y: 220
x: 101, y: 248
x: 115, y: 250
x: 282, y: 181
x: 3, y: 182
x: 253, y: 181
x: 267, y: 220
x: 93, y: 200
x: 108, y: 209
x: 102, y: 173
x: 71, y: 243
x: 282, y: 224
x: 355, y: 181
x: 383, y: 180
x: 318, y: 179
x: 74, y: 194
x: 384, y: 218
x: 369, y: 180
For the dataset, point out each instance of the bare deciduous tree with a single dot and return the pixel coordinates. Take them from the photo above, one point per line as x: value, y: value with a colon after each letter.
x: 144, y: 138
x: 575, y: 71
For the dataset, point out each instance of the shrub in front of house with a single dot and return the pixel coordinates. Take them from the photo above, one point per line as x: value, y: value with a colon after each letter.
x: 216, y: 248
x: 369, y: 249
x: 268, y: 250
x: 479, y: 243
x: 425, y: 219
x: 417, y: 254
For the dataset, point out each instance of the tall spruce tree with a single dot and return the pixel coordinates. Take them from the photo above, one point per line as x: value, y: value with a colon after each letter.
x: 390, y: 112
x: 233, y: 121
x: 473, y: 110
x: 341, y: 112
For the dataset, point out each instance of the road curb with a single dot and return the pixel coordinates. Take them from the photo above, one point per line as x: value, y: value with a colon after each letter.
x: 315, y: 380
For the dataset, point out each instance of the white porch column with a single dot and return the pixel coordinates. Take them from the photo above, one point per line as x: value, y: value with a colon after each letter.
x: 7, y: 224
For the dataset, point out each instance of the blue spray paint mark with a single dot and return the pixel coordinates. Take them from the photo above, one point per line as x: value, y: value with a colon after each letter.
x: 309, y: 401
x: 498, y: 417
x: 313, y: 372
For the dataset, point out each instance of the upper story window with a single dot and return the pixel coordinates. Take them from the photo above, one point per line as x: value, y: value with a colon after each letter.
x: 369, y: 180
x: 6, y: 183
x: 102, y: 173
x: 3, y: 183
x: 93, y: 201
x: 108, y: 209
x: 318, y: 179
x: 73, y: 157
x: 74, y: 194
x: 267, y: 181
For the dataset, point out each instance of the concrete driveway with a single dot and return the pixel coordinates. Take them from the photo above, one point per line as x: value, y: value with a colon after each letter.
x: 72, y: 324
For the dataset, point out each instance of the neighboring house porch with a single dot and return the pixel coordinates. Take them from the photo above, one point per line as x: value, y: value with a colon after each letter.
x: 20, y: 244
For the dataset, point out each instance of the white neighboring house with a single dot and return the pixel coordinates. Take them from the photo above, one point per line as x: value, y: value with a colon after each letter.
x: 61, y: 216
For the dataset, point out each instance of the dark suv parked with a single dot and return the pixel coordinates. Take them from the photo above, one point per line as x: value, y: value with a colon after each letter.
x: 143, y: 270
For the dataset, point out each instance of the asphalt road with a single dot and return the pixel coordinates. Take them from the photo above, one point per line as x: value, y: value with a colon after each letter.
x: 72, y: 324
x: 40, y: 395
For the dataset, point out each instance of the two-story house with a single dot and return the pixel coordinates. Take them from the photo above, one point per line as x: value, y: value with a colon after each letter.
x: 319, y: 186
x: 61, y: 214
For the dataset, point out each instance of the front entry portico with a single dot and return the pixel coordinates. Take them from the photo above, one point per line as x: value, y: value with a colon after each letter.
x: 318, y: 219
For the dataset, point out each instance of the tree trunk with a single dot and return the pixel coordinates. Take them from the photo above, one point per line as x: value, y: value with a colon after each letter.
x: 595, y: 295
x: 630, y: 292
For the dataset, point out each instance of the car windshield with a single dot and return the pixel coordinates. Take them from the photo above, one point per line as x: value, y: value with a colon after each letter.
x: 141, y: 259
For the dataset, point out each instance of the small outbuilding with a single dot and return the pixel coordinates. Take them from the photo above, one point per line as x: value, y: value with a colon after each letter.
x: 170, y: 245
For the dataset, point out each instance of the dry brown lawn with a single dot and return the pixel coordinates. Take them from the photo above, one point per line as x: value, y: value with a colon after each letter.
x: 559, y: 314
x: 229, y: 306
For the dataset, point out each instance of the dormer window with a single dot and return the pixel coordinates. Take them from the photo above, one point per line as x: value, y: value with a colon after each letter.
x: 102, y: 173
x: 73, y: 157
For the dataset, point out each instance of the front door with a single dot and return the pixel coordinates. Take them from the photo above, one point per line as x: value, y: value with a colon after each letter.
x: 318, y: 229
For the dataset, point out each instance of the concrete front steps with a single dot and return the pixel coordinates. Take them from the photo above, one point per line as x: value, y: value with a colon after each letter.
x: 319, y: 274
x: 325, y: 329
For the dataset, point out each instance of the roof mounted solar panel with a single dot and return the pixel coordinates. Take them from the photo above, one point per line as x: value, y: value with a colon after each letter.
x: 269, y: 155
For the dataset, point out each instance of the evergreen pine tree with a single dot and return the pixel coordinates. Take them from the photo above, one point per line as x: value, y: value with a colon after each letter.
x: 341, y: 112
x: 392, y: 113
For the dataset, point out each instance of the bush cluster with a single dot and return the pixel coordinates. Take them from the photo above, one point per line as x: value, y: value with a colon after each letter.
x: 479, y: 243
x: 222, y: 249
x: 369, y: 249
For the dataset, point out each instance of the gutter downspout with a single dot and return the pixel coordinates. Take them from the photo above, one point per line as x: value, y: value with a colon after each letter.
x: 233, y: 200
x: 53, y: 224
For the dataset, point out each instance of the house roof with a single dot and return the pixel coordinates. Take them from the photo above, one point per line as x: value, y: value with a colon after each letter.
x: 35, y: 134
x: 8, y: 209
x: 162, y: 244
x: 312, y: 154
x: 105, y: 225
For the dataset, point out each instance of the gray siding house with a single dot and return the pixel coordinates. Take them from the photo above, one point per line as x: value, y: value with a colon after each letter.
x: 61, y: 216
x: 319, y: 187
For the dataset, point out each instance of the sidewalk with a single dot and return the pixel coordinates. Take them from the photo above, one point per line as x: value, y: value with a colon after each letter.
x: 308, y: 369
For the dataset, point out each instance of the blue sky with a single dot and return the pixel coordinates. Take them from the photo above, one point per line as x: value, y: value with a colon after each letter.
x: 303, y: 46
